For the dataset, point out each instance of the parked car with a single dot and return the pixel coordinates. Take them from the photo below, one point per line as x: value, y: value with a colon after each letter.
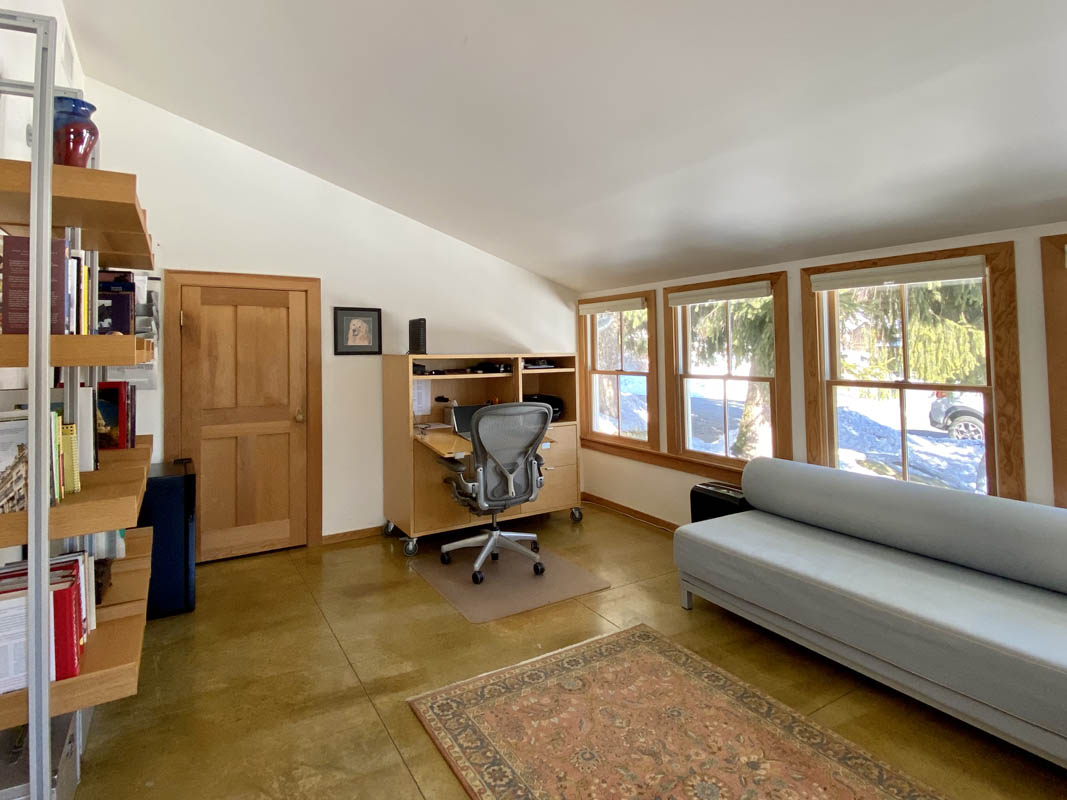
x: 950, y: 412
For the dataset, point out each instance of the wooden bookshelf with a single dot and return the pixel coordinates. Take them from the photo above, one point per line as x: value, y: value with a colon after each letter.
x: 111, y: 662
x: 74, y: 350
x: 110, y: 499
x: 547, y: 370
x: 103, y: 203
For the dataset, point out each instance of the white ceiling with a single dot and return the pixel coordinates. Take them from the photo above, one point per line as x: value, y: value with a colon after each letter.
x: 609, y: 142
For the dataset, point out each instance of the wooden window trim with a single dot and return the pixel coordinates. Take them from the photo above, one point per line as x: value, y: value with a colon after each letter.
x: 781, y: 407
x: 1003, y: 333
x: 1054, y: 278
x: 652, y: 378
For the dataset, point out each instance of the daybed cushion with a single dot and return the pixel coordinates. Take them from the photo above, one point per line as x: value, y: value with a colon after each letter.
x: 998, y: 641
x: 1024, y: 541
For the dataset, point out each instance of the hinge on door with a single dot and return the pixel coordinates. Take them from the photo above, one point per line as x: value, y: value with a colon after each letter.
x: 181, y: 318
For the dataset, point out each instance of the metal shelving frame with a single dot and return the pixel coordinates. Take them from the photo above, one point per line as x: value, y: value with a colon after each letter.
x: 43, y: 91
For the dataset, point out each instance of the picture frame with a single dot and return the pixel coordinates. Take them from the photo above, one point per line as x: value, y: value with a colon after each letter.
x: 357, y: 331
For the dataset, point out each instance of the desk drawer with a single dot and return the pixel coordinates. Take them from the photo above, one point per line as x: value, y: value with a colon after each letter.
x: 564, y: 448
x: 560, y: 489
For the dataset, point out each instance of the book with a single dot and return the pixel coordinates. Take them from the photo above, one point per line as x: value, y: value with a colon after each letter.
x: 112, y: 420
x: 14, y: 461
x: 117, y: 313
x: 15, y: 302
x: 86, y: 429
x: 71, y: 463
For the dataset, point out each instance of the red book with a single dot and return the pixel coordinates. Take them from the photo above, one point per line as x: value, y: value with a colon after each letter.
x: 67, y: 623
x: 15, y: 303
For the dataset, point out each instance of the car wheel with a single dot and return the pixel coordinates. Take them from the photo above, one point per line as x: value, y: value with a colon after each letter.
x: 967, y: 426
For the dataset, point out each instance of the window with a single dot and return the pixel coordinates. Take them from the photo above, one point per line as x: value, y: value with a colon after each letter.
x: 729, y: 404
x: 618, y: 344
x: 905, y: 370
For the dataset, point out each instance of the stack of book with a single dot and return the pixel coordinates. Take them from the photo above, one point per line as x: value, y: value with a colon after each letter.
x: 70, y: 288
x: 117, y: 303
x: 73, y: 603
x: 66, y: 460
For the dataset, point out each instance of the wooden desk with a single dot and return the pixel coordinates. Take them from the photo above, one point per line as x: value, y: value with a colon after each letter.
x: 448, y: 444
x: 415, y: 497
x: 445, y: 443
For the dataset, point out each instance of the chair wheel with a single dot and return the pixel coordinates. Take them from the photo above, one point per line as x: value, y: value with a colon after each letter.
x: 535, y: 547
x: 477, y: 577
x: 446, y: 558
x: 411, y: 547
x: 576, y: 514
x: 539, y: 568
x: 495, y: 556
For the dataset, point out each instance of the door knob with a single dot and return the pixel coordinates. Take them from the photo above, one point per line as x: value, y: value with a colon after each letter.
x: 299, y: 415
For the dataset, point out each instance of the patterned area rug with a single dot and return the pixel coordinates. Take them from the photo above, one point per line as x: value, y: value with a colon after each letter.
x: 633, y: 715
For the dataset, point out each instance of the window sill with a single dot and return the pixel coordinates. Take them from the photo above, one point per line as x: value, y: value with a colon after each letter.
x: 728, y: 473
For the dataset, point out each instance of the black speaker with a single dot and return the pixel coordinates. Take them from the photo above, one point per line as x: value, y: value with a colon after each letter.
x: 417, y: 336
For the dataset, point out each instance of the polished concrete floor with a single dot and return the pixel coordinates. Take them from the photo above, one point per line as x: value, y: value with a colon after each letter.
x: 290, y: 679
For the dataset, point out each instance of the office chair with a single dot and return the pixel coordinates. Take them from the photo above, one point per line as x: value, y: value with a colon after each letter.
x: 503, y: 471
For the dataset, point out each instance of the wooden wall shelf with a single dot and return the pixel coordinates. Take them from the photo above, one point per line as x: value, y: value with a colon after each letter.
x: 79, y: 351
x: 111, y: 662
x: 104, y: 204
x: 110, y: 499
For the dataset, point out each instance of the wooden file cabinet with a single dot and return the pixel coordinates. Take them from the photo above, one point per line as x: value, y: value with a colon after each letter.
x: 417, y: 500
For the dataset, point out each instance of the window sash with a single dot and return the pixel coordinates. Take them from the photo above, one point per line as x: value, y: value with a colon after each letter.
x: 828, y: 326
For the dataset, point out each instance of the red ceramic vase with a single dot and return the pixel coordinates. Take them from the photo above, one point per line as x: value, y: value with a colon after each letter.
x: 74, y: 134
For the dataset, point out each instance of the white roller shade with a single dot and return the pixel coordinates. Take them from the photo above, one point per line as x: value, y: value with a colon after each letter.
x: 594, y: 307
x: 946, y: 269
x: 738, y: 291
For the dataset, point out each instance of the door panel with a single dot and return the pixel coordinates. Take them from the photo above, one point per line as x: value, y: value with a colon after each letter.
x: 243, y: 417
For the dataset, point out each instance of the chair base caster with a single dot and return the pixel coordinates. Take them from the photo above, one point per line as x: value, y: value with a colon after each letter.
x: 535, y: 547
x: 495, y: 556
x: 411, y: 547
x: 576, y: 514
x: 539, y: 568
x: 477, y: 577
x: 446, y: 558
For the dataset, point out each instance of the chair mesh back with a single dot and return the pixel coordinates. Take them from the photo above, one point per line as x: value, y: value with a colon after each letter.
x: 505, y: 439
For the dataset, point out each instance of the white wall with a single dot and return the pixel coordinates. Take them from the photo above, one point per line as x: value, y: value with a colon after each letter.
x: 664, y: 492
x: 215, y: 204
x: 16, y: 63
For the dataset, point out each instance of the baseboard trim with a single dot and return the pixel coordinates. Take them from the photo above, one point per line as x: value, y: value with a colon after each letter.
x: 667, y: 525
x: 347, y: 536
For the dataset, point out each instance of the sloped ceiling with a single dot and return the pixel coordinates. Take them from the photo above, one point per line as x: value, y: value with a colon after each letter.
x: 609, y: 142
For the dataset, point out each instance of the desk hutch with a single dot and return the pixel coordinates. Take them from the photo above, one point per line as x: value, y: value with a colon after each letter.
x: 417, y: 501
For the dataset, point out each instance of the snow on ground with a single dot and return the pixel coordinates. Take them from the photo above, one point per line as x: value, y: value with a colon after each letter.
x: 868, y: 439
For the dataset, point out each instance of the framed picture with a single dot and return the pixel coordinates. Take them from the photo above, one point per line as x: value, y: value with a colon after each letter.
x: 357, y: 331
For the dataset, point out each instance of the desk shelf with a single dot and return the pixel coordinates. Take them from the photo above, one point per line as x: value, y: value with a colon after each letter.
x: 76, y: 350
x: 463, y: 376
x: 548, y: 371
x: 110, y: 499
x: 112, y: 658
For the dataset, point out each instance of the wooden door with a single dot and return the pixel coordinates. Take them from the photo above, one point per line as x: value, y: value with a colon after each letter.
x: 244, y: 408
